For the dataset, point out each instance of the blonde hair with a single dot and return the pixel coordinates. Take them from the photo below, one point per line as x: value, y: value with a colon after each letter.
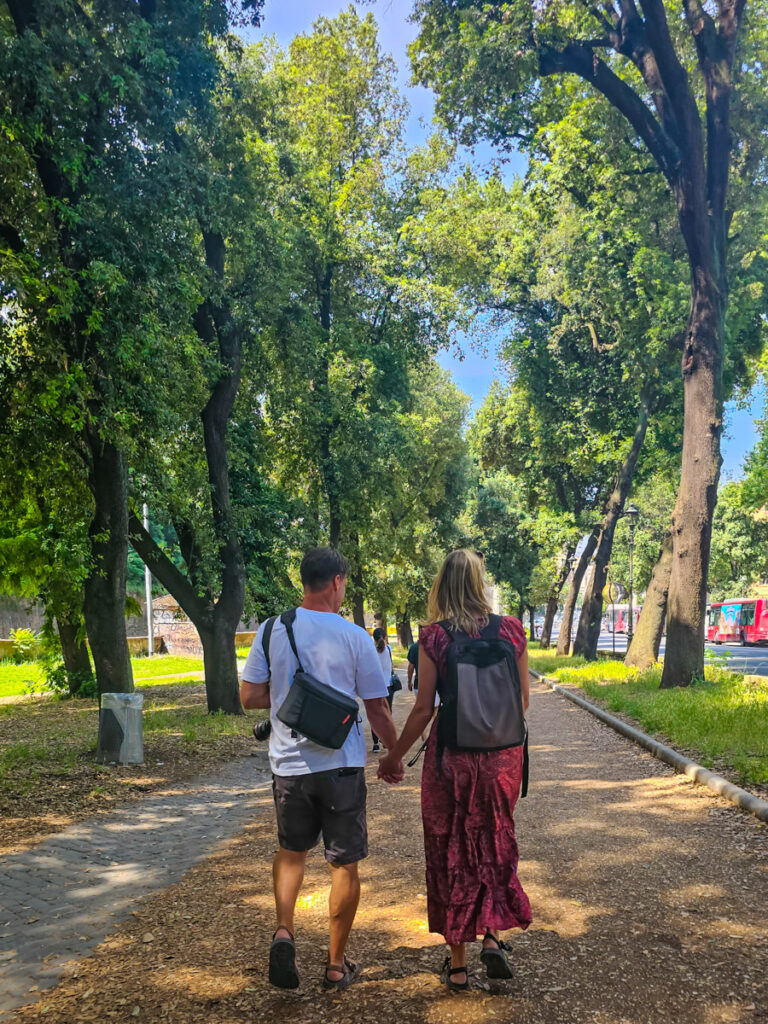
x: 459, y: 593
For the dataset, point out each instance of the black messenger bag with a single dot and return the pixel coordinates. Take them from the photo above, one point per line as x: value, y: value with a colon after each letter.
x: 314, y: 709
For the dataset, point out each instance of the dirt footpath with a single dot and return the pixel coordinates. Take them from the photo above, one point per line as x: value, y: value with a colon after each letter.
x: 649, y: 894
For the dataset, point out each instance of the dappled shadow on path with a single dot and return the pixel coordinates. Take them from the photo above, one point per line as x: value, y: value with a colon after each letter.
x: 650, y: 901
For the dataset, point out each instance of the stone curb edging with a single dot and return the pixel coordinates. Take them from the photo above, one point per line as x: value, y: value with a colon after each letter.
x: 747, y: 801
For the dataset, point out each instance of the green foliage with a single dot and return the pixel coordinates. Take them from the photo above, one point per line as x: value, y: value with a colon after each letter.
x: 739, y: 556
x: 25, y: 645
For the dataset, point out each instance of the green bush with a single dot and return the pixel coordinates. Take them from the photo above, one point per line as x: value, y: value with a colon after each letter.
x: 25, y: 644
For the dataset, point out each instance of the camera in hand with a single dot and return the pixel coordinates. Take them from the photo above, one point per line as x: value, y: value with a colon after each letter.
x: 262, y: 730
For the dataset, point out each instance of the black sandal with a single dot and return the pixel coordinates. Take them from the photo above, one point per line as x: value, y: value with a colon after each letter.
x: 350, y: 971
x: 282, y: 962
x: 495, y: 960
x: 446, y: 976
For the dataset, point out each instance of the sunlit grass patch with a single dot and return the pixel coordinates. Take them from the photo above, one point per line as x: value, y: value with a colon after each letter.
x: 546, y: 662
x: 722, y: 720
x: 165, y: 664
x: 18, y: 679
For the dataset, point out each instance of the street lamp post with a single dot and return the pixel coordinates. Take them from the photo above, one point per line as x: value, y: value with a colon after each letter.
x: 148, y: 594
x: 632, y: 513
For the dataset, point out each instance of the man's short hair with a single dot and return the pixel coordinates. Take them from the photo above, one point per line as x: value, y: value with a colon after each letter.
x: 320, y: 565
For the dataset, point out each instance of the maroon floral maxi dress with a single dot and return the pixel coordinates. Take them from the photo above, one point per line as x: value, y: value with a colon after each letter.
x: 469, y: 830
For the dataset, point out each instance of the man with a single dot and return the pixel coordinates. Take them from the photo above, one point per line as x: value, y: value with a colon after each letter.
x: 318, y: 790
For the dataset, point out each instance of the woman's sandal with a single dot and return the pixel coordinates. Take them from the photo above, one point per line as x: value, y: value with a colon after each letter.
x: 495, y: 960
x: 446, y: 976
x: 349, y: 970
x: 282, y: 962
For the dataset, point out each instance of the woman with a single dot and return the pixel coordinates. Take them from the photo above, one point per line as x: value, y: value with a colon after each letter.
x: 384, y: 652
x: 467, y: 798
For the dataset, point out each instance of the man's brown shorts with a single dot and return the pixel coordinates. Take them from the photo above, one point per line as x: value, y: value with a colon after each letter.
x: 328, y: 803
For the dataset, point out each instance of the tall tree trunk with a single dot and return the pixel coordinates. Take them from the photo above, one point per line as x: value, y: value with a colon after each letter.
x: 696, y: 164
x: 564, y: 639
x: 357, y: 580
x: 222, y: 689
x: 404, y: 631
x: 532, y: 620
x: 216, y: 621
x: 358, y: 609
x: 74, y: 651
x: 644, y: 650
x: 104, y: 589
x: 696, y: 499
x: 552, y: 602
x: 327, y: 425
x: 588, y: 635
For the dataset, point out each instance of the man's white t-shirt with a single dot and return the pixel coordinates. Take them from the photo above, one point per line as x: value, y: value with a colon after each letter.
x: 338, y: 653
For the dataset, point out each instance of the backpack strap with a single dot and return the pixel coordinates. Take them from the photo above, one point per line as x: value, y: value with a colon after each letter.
x: 288, y: 618
x: 492, y: 629
x: 266, y: 636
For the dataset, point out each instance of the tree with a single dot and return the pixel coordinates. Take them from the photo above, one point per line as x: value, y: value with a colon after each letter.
x: 361, y: 319
x: 429, y: 477
x: 491, y: 63
x: 652, y: 563
x: 232, y: 193
x: 89, y: 244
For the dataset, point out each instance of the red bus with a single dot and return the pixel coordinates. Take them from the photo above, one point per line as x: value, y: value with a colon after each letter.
x: 741, y: 620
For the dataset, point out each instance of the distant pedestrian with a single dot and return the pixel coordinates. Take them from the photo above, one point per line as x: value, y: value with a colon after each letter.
x: 413, y: 667
x: 474, y: 765
x: 413, y: 676
x: 384, y: 652
x: 319, y: 788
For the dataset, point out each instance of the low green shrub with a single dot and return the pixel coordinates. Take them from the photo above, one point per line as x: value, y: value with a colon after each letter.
x: 24, y: 645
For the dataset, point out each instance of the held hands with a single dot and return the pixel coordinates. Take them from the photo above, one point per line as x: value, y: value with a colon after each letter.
x: 391, y: 769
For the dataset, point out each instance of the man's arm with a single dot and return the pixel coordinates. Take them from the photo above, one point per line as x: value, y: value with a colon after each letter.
x: 254, y: 695
x: 410, y: 675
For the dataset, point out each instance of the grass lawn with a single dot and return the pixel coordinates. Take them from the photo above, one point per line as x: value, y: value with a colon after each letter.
x: 164, y: 665
x: 16, y: 680
x: 722, y: 722
x: 49, y: 775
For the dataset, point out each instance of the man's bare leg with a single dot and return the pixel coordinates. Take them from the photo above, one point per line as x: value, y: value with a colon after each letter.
x: 287, y: 876
x: 342, y: 904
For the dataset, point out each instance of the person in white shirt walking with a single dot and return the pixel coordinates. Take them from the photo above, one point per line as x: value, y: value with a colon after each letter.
x: 318, y: 790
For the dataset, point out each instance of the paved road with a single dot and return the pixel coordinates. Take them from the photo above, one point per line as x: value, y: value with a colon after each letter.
x: 60, y: 899
x: 751, y: 660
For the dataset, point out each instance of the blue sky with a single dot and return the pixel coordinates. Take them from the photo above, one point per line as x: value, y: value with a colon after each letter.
x: 285, y: 19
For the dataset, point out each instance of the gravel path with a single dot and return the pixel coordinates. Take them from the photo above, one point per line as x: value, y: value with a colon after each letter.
x: 650, y: 901
x: 61, y: 898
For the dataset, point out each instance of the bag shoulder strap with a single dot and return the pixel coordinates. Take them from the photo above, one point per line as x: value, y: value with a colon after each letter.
x: 288, y: 618
x: 266, y: 636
